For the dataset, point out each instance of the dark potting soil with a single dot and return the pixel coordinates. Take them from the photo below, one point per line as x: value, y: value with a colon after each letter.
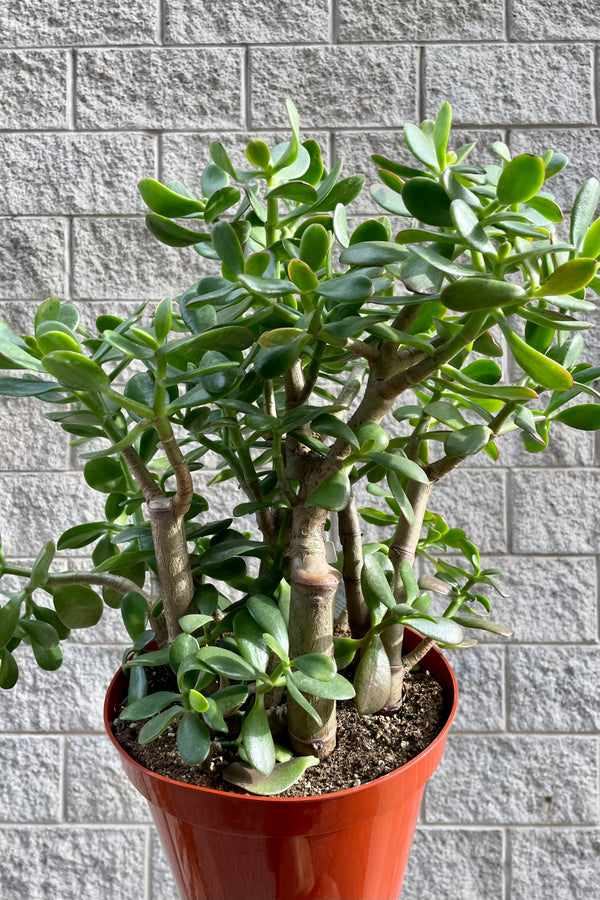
x: 367, y: 746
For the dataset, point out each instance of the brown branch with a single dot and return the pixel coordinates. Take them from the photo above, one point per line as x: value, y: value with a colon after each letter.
x: 411, y: 659
x: 118, y: 583
x: 351, y: 541
x: 182, y: 500
x: 141, y: 474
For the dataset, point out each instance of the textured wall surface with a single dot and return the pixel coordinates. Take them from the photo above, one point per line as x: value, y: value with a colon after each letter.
x: 94, y: 96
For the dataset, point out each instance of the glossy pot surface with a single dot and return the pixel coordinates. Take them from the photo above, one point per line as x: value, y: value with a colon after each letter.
x: 349, y: 845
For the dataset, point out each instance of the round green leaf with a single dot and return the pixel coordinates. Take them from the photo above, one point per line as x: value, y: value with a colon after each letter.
x: 568, y: 278
x: 467, y: 441
x: 172, y: 234
x: 521, y: 179
x: 9, y: 670
x: 228, y: 247
x: 193, y: 739
x: 164, y: 201
x: 283, y: 776
x: 9, y: 616
x: 427, y: 201
x: 105, y: 475
x: 468, y: 227
x: 314, y: 246
x: 317, y: 665
x: 134, y: 611
x: 76, y: 371
x: 334, y: 492
x: 257, y: 739
x: 77, y: 605
x: 373, y: 679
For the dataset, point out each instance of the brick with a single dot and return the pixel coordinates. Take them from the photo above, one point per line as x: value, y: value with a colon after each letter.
x: 29, y: 441
x: 35, y: 508
x: 71, y: 863
x: 468, y: 861
x: 119, y: 258
x: 58, y: 22
x: 581, y: 145
x: 32, y: 258
x: 557, y: 863
x: 24, y: 798
x: 442, y: 21
x: 480, y: 676
x: 325, y: 89
x: 155, y: 88
x: 184, y: 156
x: 73, y: 173
x: 566, y: 447
x: 555, y: 511
x: 97, y: 787
x: 34, y: 89
x: 70, y: 699
x: 543, y: 20
x: 515, y: 780
x: 355, y: 148
x: 536, y: 588
x: 246, y: 22
x: 554, y: 688
x: 512, y: 84
x: 473, y: 501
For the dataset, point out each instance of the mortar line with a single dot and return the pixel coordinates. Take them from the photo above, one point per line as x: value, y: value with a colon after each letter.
x: 71, y: 89
x: 507, y: 862
x: 245, y: 90
x: 334, y: 23
x: 158, y: 156
x: 508, y: 21
x: 160, y: 23
x: 62, y: 795
x: 506, y: 680
x: 68, y: 257
x: 421, y: 64
x: 508, y: 523
x: 594, y: 88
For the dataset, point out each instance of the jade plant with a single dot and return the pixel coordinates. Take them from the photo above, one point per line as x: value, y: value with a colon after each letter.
x: 317, y: 365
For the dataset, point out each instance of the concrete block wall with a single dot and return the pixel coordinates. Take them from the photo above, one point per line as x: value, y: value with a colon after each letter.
x: 95, y: 96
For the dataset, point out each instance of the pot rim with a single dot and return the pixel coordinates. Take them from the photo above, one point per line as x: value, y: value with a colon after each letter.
x: 328, y: 797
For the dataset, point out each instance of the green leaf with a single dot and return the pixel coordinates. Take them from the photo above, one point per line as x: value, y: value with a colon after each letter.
x: 77, y: 605
x: 19, y: 356
x: 568, y: 278
x: 193, y: 739
x: 218, y: 203
x: 445, y: 413
x: 257, y: 739
x: 467, y: 441
x: 372, y: 680
x: 248, y: 636
x: 9, y: 616
x: 338, y: 688
x: 441, y: 132
x: 399, y: 464
x: 155, y: 727
x: 465, y: 620
x: 340, y: 225
x: 228, y: 247
x: 547, y: 208
x: 330, y: 425
x: 317, y: 665
x: 134, y: 611
x: 421, y: 146
x: 475, y: 293
x: 183, y: 646
x: 172, y: 234
x: 266, y: 612
x: 302, y: 276
x: 193, y: 622
x: 346, y: 287
x: 443, y: 630
x: 298, y: 191
x: 219, y: 156
x: 148, y: 706
x: 584, y: 208
x: 225, y: 662
x: 283, y: 776
x: 585, y: 417
x: 542, y: 369
x: 314, y: 246
x: 41, y: 566
x: 267, y: 287
x: 521, y: 179
x: 280, y: 337
x: 295, y: 694
x: 105, y: 475
x: 334, y: 491
x: 9, y: 671
x: 29, y: 386
x: 166, y: 202
x: 375, y: 586
x: 468, y: 227
x: 47, y: 658
x: 75, y: 371
x: 389, y: 200
x: 427, y: 201
x: 591, y: 244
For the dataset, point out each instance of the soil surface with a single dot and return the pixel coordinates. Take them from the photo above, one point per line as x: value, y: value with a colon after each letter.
x: 367, y: 746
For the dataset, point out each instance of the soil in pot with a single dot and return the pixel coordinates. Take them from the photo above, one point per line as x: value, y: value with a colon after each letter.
x: 367, y: 746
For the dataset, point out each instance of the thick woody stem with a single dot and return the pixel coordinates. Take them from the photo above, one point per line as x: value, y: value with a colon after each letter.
x: 117, y: 583
x: 314, y: 585
x: 359, y: 619
x: 141, y: 473
x: 403, y: 548
x: 172, y: 561
x: 181, y: 502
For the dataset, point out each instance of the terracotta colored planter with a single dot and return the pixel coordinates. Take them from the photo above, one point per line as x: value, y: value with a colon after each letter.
x: 349, y: 845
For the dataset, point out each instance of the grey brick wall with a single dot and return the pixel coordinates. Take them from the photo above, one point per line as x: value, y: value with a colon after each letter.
x: 95, y: 96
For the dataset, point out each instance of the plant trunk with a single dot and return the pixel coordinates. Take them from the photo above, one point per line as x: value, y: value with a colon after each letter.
x: 403, y: 548
x: 172, y: 561
x: 314, y: 585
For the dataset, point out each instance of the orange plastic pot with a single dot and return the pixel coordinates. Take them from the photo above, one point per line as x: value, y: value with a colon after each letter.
x: 349, y: 845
